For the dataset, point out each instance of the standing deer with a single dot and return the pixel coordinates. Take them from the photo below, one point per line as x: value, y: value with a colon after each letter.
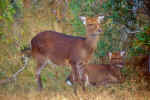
x: 61, y: 49
x: 102, y: 74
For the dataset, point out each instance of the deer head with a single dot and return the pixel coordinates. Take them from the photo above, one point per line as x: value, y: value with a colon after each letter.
x: 116, y: 58
x: 92, y: 24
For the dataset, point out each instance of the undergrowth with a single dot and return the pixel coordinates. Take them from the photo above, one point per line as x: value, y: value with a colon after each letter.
x: 25, y: 88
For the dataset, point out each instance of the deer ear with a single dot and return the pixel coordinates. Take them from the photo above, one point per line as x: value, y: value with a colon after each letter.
x: 100, y: 18
x: 122, y: 53
x: 83, y: 19
x: 109, y: 54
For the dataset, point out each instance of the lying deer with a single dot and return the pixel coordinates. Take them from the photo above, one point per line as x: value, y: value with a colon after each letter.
x: 61, y: 49
x: 102, y: 74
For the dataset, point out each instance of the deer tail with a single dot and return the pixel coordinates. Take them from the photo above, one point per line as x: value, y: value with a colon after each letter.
x: 26, y: 51
x: 26, y: 54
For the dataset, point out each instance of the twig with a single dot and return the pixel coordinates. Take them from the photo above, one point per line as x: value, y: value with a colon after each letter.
x: 14, y: 76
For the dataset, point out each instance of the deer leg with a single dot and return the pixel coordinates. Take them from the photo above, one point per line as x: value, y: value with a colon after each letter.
x: 40, y: 66
x: 69, y: 80
x: 83, y: 85
x: 85, y: 81
x: 77, y: 75
x: 106, y: 82
x: 81, y: 75
x: 74, y: 79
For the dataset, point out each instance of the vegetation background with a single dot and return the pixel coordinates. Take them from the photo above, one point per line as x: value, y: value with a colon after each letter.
x: 126, y: 27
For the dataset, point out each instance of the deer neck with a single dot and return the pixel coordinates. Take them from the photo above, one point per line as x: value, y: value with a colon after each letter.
x: 91, y: 40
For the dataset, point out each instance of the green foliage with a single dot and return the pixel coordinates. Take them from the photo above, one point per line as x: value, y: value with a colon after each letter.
x: 85, y: 7
x: 120, y: 11
x: 144, y: 37
x: 141, y: 43
x: 7, y: 11
x: 78, y: 26
x: 17, y: 6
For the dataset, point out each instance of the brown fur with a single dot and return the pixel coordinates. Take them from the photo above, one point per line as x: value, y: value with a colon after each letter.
x: 102, y: 74
x: 59, y: 47
x: 62, y: 49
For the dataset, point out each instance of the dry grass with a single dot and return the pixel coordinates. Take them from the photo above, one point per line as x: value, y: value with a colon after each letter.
x: 24, y: 88
x: 97, y: 94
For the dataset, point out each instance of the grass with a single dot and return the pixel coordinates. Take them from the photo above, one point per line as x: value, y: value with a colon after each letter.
x: 102, y: 93
x: 25, y: 87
